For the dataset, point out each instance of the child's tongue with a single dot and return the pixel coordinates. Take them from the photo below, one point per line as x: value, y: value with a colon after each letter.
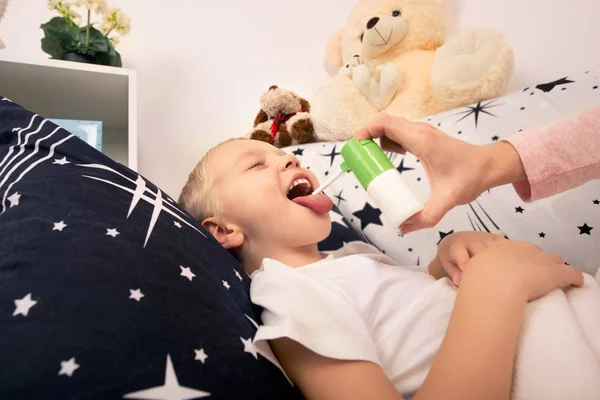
x: 318, y: 203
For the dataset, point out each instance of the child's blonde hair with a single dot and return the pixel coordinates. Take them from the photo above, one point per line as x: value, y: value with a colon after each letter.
x: 195, y: 196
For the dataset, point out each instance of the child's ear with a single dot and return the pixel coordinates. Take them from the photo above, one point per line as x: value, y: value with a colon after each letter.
x: 229, y: 235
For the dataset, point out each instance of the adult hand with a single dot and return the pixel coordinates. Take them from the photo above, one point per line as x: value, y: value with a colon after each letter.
x: 458, y: 172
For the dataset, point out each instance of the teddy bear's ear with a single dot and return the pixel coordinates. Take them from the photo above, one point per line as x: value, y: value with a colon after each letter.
x: 305, y: 105
x: 333, y: 53
x: 441, y: 3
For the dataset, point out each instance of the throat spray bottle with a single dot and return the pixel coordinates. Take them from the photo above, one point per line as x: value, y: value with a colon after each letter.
x: 379, y: 178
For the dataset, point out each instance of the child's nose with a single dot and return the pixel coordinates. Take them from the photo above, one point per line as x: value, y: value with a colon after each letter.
x: 290, y: 161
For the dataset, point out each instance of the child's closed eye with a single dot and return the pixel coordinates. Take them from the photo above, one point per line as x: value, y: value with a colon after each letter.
x: 257, y: 163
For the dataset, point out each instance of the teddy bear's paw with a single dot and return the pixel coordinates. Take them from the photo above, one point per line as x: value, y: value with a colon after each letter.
x: 283, y: 137
x: 346, y: 69
x: 361, y: 76
x: 471, y: 66
x: 388, y: 74
x: 301, y: 128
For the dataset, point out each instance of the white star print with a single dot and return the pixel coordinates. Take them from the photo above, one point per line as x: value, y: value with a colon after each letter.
x: 335, y: 217
x: 14, y: 199
x: 177, y: 224
x: 24, y: 305
x: 187, y: 273
x: 136, y: 294
x: 7, y: 99
x: 16, y: 129
x: 112, y: 232
x: 170, y: 390
x: 68, y: 367
x: 62, y: 161
x: 201, y: 355
x: 238, y: 275
x: 139, y: 193
x: 226, y: 284
x: 59, y: 226
x: 249, y: 347
x: 253, y: 321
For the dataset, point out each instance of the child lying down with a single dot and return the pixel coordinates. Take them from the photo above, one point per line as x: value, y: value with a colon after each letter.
x: 352, y: 324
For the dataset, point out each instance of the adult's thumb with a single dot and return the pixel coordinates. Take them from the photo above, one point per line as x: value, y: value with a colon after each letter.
x: 389, y: 145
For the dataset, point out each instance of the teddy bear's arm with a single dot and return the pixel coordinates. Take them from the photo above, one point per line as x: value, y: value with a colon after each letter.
x: 261, y: 117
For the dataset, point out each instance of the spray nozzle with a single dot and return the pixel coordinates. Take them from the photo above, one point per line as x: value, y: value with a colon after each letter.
x: 364, y: 158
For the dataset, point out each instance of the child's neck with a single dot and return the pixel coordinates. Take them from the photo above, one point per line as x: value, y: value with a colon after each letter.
x: 292, y: 257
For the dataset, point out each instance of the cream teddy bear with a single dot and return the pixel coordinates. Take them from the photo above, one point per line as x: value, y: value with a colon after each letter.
x: 392, y: 56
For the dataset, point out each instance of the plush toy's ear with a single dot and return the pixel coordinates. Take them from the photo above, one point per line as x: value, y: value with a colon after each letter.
x: 260, y: 117
x: 441, y: 3
x: 333, y: 53
x: 305, y: 104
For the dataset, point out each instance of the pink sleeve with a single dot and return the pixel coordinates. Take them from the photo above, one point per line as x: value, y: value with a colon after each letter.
x: 560, y: 156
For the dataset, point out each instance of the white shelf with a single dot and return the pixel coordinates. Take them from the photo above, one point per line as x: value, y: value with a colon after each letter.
x: 70, y: 90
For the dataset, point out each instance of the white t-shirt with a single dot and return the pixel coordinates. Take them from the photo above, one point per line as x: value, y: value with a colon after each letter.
x: 357, y: 304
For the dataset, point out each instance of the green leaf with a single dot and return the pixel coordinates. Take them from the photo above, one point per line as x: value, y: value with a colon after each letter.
x: 52, y: 46
x: 60, y: 28
x: 97, y: 42
x: 112, y: 57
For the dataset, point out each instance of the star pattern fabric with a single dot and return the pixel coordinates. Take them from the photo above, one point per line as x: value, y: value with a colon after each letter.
x: 68, y: 367
x: 136, y: 294
x: 171, y: 389
x: 59, y: 226
x: 22, y: 306
x: 109, y: 289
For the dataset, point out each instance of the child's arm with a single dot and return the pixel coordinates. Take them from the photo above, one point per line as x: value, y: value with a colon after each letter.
x: 474, y: 362
x: 477, y: 355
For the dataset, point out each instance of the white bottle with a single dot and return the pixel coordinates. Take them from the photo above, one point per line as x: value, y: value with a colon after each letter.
x: 381, y: 180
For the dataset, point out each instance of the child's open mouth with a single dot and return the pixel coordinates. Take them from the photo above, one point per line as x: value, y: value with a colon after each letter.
x: 300, y: 187
x: 300, y: 193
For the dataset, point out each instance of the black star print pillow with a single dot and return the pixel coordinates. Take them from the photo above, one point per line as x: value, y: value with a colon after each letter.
x: 107, y: 288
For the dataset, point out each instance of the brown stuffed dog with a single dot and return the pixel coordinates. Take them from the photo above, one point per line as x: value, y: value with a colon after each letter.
x: 283, y: 119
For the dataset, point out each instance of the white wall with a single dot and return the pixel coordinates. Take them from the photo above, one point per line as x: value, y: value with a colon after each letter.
x: 203, y: 65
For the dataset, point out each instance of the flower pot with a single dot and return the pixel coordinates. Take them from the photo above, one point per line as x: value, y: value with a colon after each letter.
x: 73, y: 56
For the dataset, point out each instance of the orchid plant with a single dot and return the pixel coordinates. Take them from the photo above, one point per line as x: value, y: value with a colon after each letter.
x: 65, y: 38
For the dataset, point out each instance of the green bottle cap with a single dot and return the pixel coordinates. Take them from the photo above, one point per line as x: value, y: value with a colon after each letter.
x: 365, y: 159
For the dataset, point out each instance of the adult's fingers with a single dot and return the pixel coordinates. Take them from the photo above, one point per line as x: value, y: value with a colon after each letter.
x: 399, y: 130
x: 434, y: 210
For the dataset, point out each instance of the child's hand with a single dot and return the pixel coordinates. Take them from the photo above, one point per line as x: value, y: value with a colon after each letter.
x: 522, y: 268
x: 455, y: 251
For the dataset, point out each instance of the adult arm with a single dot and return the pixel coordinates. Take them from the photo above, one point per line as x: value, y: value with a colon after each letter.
x: 559, y: 156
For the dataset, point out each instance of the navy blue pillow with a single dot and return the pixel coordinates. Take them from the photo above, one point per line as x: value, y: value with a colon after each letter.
x: 107, y: 288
